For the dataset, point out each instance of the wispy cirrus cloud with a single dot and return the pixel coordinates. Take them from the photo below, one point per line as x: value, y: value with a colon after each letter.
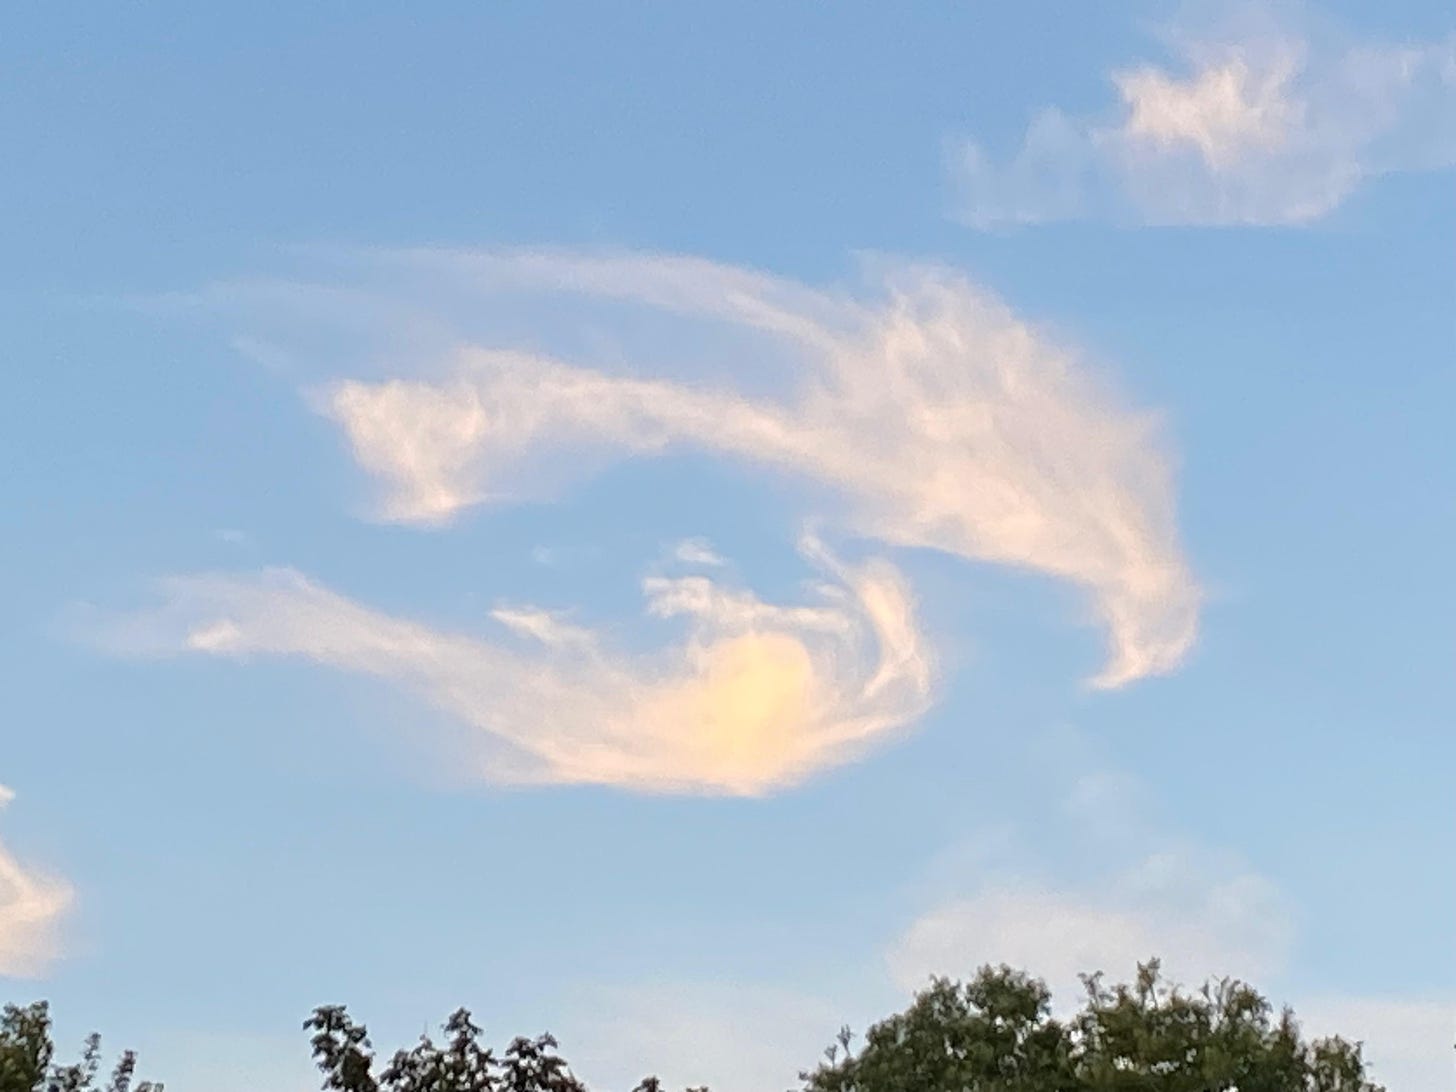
x: 923, y: 412
x: 1269, y: 117
x: 919, y: 412
x: 31, y: 906
x: 756, y: 697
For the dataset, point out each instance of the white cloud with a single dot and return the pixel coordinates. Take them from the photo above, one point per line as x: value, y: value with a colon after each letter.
x: 1269, y: 119
x: 1225, y: 111
x: 543, y: 625
x: 1199, y: 925
x: 930, y: 414
x: 1143, y: 893
x: 697, y: 551
x: 758, y: 696
x: 31, y: 906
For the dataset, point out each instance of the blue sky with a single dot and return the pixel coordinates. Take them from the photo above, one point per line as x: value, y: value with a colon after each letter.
x: 674, y: 525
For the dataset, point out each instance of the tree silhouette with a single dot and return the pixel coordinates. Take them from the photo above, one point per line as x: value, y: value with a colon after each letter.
x: 27, y: 1054
x: 343, y: 1053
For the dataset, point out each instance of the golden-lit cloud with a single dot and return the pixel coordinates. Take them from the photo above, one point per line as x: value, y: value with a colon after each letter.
x: 31, y: 906
x: 757, y: 696
x: 923, y: 413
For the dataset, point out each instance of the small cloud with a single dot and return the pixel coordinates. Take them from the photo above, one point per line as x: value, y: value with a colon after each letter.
x: 541, y: 625
x: 31, y: 906
x: 232, y: 536
x: 759, y: 696
x: 697, y: 551
x: 1264, y: 121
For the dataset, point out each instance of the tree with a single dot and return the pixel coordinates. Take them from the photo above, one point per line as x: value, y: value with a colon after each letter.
x: 461, y: 1064
x: 341, y: 1049
x: 996, y: 1033
x: 652, y: 1084
x: 27, y: 1054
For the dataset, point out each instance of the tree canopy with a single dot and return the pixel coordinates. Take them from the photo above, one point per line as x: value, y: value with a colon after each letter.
x: 993, y: 1033
x: 460, y: 1063
x: 996, y: 1032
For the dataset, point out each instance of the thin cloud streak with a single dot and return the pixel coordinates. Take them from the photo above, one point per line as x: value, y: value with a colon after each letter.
x: 1269, y: 119
x: 697, y: 551
x: 932, y: 413
x: 757, y: 697
x: 31, y: 906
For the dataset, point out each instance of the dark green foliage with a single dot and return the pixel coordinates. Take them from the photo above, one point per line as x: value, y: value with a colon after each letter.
x: 25, y: 1047
x: 27, y: 1055
x: 993, y: 1034
x: 996, y: 1034
x: 532, y: 1065
x: 342, y: 1050
x: 459, y: 1064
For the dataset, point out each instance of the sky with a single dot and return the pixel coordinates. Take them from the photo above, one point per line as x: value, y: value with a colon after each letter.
x: 674, y: 524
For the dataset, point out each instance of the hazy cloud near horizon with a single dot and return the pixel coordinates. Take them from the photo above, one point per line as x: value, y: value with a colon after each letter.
x: 1140, y: 891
